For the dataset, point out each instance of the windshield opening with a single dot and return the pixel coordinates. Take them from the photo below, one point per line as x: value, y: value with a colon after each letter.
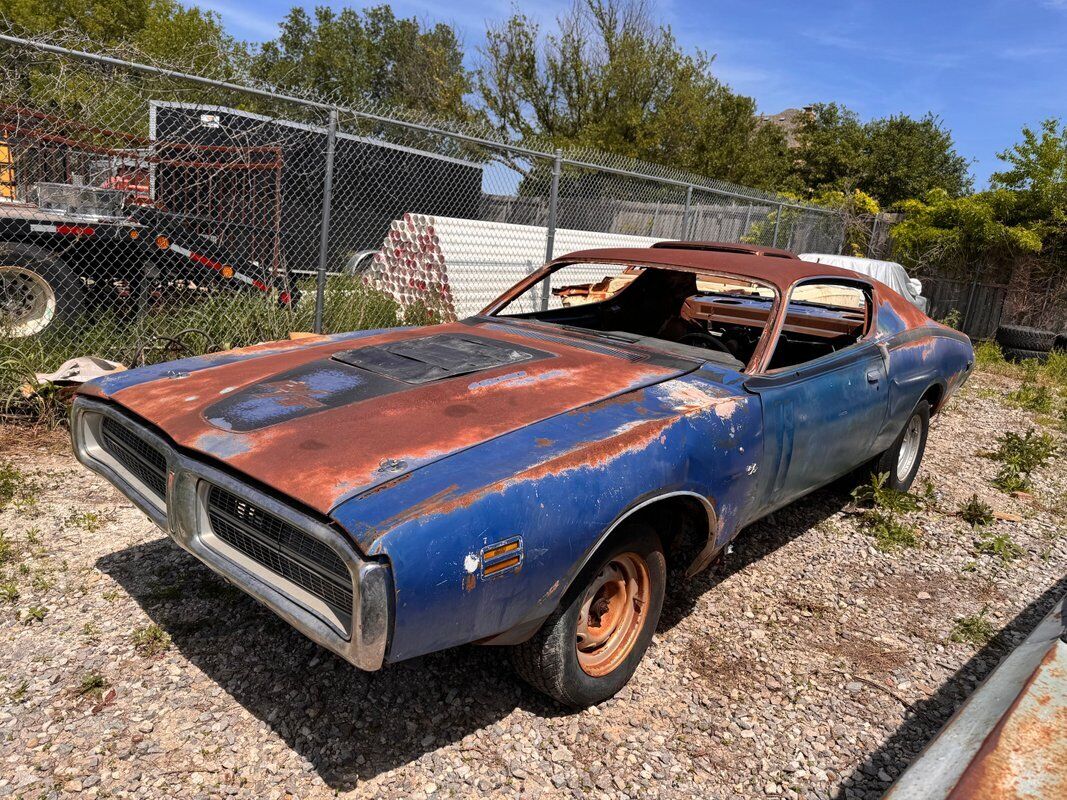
x: 718, y: 318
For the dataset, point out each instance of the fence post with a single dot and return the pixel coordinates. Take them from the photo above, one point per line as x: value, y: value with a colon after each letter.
x: 777, y: 219
x: 874, y: 232
x: 687, y: 215
x: 324, y: 229
x: 550, y: 241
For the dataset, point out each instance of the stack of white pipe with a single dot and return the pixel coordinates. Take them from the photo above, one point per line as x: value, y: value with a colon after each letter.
x: 458, y: 266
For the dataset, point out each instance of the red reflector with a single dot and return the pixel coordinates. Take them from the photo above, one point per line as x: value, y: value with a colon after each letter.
x: 285, y: 298
x: 260, y: 285
x: 75, y: 230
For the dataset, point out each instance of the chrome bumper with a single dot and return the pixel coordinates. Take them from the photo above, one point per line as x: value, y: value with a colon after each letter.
x: 183, y: 516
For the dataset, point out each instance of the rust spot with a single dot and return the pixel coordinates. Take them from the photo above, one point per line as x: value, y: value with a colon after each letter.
x: 541, y: 441
x: 591, y: 454
x: 468, y: 582
x: 1025, y: 755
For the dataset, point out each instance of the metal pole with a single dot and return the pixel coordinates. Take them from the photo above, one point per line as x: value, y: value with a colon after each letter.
x: 324, y: 230
x: 550, y: 240
x: 688, y: 211
x: 777, y: 220
x: 874, y: 232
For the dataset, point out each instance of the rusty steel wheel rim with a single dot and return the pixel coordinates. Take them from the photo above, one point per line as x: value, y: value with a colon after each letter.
x: 613, y: 612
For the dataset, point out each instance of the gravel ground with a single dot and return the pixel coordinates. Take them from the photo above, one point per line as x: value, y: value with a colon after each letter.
x: 806, y: 663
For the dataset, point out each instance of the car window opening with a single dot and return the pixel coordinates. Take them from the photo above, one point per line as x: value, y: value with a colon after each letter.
x: 821, y: 318
x: 716, y: 318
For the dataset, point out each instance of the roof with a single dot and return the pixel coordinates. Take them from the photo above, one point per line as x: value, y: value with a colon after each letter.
x: 780, y: 268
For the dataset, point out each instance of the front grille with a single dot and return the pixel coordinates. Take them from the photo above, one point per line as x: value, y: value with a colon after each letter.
x: 281, y: 548
x: 142, y: 460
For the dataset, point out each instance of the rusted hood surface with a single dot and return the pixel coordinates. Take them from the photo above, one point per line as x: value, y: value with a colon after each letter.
x: 327, y: 420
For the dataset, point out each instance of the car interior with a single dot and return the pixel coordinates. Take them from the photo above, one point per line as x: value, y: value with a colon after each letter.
x: 716, y: 318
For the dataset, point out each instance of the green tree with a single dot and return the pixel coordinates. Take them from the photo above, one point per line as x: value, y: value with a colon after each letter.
x: 892, y: 159
x: 369, y: 57
x: 160, y: 30
x: 611, y: 78
x: 906, y: 158
x: 1037, y: 169
x: 829, y: 152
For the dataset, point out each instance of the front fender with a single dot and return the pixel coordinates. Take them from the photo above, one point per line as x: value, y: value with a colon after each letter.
x: 556, y: 487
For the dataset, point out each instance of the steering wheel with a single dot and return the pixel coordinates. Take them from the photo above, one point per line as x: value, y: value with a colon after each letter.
x: 705, y: 340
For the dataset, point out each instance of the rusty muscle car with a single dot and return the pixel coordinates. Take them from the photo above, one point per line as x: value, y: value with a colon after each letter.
x: 525, y: 477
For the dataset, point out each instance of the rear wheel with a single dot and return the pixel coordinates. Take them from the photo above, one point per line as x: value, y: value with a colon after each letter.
x: 35, y: 290
x: 589, y: 648
x: 901, y: 461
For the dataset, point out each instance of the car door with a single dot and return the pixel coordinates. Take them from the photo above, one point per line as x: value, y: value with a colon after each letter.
x: 821, y: 417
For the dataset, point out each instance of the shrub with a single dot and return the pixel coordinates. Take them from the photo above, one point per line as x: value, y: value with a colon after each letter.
x: 1019, y: 456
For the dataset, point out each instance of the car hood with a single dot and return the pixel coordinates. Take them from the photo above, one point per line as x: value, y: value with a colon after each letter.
x: 325, y: 421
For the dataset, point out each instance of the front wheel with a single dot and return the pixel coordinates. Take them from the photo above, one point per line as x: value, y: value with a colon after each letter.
x: 901, y: 461
x: 589, y: 648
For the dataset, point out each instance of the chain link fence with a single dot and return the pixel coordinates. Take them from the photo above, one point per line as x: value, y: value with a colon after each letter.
x: 146, y: 213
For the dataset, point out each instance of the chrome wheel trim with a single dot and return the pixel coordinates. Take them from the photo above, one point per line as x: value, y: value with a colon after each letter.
x: 27, y: 301
x: 909, y: 447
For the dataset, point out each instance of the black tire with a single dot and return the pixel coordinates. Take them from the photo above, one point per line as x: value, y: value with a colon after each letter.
x: 889, y: 461
x: 549, y: 661
x: 1018, y: 337
x: 1018, y: 354
x: 31, y: 275
x: 1060, y: 343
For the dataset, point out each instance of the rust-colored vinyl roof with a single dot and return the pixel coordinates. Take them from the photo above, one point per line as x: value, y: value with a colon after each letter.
x: 778, y: 268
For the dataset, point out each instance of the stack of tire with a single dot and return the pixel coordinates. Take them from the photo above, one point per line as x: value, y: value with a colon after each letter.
x: 1019, y: 342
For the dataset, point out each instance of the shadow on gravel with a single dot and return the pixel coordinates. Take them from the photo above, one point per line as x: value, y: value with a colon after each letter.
x: 925, y: 718
x: 349, y: 725
x: 755, y: 542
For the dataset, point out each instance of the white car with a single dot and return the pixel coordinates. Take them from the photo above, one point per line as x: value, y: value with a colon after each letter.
x: 890, y: 273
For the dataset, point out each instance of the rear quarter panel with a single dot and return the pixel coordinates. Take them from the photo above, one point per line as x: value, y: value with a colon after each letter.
x: 921, y: 354
x: 559, y: 484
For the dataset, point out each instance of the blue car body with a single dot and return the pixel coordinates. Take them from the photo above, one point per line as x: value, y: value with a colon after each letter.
x: 481, y: 535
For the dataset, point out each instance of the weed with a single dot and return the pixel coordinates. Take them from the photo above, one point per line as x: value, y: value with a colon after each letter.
x: 974, y: 629
x: 42, y: 582
x: 953, y: 319
x: 890, y: 534
x: 988, y: 357
x: 35, y: 614
x: 875, y: 494
x: 111, y: 595
x: 88, y: 521
x: 11, y: 480
x: 1019, y: 456
x: 1034, y: 397
x: 8, y: 552
x: 9, y: 592
x: 151, y: 640
x: 928, y: 491
x: 33, y: 536
x: 999, y: 545
x: 976, y: 512
x: 19, y: 694
x: 91, y: 631
x: 92, y: 684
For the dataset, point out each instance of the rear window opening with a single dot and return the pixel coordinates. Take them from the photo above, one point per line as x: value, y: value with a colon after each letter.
x: 717, y: 318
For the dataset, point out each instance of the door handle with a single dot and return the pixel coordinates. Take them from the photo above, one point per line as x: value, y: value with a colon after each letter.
x: 872, y: 376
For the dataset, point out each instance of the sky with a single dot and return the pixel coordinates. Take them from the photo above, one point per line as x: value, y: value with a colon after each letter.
x: 986, y: 67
